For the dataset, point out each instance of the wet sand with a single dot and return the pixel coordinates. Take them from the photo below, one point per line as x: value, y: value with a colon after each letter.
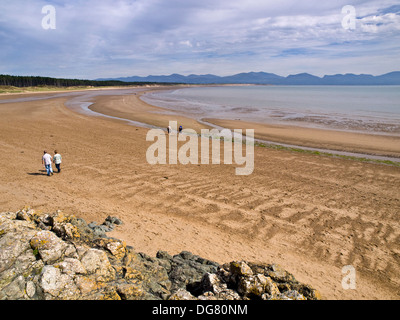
x: 311, y: 214
x: 368, y: 144
x: 132, y: 107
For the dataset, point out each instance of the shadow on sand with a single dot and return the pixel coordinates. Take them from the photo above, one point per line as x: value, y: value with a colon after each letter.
x: 39, y: 173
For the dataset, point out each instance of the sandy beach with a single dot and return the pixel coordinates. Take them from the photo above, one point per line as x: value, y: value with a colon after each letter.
x: 311, y: 214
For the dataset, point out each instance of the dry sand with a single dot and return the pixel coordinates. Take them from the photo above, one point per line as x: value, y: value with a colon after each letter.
x: 311, y: 214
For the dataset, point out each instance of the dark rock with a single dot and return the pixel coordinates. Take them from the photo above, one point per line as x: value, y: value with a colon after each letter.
x: 113, y: 220
x: 92, y: 225
x: 55, y: 256
x: 164, y: 255
x: 107, y: 226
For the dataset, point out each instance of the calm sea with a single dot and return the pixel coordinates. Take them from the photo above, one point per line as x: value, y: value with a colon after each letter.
x: 356, y: 108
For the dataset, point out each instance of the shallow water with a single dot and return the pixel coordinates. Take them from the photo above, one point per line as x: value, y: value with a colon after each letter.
x: 355, y: 108
x: 81, y: 101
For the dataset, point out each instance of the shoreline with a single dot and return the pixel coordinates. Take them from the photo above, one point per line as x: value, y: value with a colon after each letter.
x: 312, y: 215
x: 125, y: 104
x: 373, y: 146
x: 328, y: 141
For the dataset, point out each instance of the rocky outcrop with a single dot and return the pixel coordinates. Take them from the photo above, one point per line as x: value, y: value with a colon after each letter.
x: 55, y: 256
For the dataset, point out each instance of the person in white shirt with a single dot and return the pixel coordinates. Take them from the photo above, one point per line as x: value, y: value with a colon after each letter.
x: 57, y: 160
x: 46, y: 161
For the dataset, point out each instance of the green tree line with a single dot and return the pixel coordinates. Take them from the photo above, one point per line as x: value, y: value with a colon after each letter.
x: 34, y: 81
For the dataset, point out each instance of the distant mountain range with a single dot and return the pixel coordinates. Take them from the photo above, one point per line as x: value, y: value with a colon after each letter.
x: 392, y: 78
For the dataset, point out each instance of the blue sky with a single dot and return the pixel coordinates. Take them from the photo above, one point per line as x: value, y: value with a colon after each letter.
x: 98, y: 39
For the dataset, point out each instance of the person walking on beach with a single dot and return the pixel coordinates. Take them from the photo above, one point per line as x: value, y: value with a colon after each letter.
x: 180, y: 129
x: 57, y: 160
x: 169, y: 129
x: 46, y: 161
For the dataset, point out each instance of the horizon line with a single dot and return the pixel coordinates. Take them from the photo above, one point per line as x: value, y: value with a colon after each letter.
x: 248, y: 72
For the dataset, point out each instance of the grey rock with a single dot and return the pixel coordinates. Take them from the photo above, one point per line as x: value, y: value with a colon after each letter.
x: 30, y: 289
x: 57, y: 285
x: 55, y: 256
x: 50, y: 247
x: 114, y: 220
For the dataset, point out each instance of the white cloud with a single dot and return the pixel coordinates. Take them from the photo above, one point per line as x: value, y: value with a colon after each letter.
x: 387, y: 23
x: 121, y: 38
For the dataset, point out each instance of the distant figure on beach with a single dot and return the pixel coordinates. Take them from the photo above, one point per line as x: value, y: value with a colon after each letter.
x: 57, y: 160
x: 46, y: 161
x: 169, y: 129
x: 180, y: 129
